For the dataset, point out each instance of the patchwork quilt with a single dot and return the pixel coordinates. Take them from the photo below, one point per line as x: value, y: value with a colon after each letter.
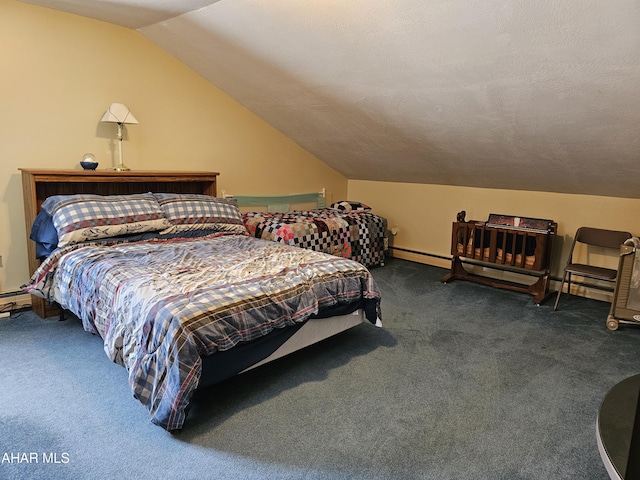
x: 160, y: 305
x: 357, y: 235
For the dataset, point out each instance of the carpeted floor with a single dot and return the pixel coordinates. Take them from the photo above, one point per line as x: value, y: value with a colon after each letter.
x: 463, y: 382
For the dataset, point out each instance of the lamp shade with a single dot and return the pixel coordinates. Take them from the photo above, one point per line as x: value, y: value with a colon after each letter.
x: 118, y: 113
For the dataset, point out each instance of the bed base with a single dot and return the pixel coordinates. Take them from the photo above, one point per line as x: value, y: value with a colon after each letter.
x: 313, y: 331
x: 279, y: 343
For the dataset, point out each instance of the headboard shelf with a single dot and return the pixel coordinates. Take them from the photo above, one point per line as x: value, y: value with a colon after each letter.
x: 38, y: 184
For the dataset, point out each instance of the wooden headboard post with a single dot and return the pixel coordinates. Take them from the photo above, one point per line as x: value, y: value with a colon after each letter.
x: 38, y: 184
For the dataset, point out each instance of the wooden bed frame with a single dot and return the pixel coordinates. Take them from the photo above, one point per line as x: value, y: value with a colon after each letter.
x: 38, y: 184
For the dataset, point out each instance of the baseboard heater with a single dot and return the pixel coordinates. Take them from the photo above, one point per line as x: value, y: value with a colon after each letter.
x: 574, y: 283
x: 417, y: 252
x: 11, y: 294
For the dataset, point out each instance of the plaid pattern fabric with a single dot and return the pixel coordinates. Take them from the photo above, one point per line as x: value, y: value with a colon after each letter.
x: 200, y: 212
x: 79, y: 218
x: 357, y: 235
x: 160, y: 305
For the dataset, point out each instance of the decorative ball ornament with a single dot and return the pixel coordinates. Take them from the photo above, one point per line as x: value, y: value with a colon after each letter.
x: 89, y: 161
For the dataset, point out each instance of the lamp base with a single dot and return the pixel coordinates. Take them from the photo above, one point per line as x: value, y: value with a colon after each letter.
x: 121, y: 168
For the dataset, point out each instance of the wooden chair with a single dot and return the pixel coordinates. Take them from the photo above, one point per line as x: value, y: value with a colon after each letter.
x: 607, y: 239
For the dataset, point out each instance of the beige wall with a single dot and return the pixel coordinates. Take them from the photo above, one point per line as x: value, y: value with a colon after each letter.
x: 59, y: 74
x: 423, y: 215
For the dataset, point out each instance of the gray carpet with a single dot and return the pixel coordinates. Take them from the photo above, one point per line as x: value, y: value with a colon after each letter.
x: 463, y: 382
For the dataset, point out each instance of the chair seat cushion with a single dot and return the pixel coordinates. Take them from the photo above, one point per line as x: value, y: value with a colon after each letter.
x: 591, y: 271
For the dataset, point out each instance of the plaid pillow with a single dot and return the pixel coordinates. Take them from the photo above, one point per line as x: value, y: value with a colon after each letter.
x: 347, y: 206
x: 190, y: 211
x: 78, y: 218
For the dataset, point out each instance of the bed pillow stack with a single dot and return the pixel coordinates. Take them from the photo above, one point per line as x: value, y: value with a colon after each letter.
x: 78, y: 218
x: 188, y: 212
x: 69, y: 219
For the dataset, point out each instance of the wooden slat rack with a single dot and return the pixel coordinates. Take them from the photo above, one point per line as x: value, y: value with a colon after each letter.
x: 519, y: 249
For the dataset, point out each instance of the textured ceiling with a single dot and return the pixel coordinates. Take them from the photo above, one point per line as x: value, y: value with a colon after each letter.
x: 528, y: 95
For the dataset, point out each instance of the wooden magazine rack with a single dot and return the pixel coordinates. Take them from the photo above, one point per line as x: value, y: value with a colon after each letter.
x: 517, y: 244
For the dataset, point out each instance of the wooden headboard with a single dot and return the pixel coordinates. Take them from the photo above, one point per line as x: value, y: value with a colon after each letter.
x: 38, y: 184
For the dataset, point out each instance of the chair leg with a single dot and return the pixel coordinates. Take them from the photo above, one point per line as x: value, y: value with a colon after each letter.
x: 555, y: 307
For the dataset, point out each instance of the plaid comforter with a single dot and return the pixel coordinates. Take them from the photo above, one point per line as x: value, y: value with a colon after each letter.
x: 357, y: 235
x: 160, y: 305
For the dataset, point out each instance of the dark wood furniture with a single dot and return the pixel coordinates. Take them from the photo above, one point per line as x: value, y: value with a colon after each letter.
x: 38, y: 184
x: 618, y: 430
x: 518, y: 249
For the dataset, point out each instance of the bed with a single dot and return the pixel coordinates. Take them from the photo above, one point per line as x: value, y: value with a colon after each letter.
x: 167, y: 275
x: 347, y: 229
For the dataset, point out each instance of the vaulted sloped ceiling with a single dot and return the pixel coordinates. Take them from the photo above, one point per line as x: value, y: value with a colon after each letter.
x: 529, y: 95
